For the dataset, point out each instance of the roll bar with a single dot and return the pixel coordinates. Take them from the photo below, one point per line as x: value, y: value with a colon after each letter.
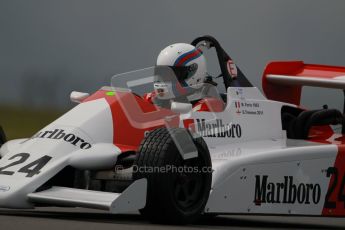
x: 232, y: 75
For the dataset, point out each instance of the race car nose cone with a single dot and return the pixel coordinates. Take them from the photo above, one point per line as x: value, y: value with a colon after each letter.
x: 12, y: 194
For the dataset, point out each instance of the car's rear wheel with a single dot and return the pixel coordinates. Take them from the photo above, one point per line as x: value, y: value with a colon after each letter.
x: 174, y: 196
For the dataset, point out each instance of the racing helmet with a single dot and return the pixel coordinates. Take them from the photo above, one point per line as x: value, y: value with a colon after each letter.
x: 189, y: 67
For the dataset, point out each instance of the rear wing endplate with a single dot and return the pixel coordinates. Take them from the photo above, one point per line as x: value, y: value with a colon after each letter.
x: 283, y: 81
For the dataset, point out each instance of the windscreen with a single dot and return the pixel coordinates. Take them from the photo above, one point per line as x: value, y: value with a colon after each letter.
x: 138, y: 81
x: 143, y: 81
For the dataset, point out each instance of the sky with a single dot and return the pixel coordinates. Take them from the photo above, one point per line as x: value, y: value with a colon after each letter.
x: 49, y: 48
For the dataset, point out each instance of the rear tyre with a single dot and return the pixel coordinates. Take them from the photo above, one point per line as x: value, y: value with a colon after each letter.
x: 175, y: 196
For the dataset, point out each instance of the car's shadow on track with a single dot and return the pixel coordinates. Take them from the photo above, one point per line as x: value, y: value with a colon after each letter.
x: 132, y: 219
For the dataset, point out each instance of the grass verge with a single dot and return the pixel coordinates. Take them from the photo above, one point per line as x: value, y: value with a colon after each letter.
x: 24, y: 122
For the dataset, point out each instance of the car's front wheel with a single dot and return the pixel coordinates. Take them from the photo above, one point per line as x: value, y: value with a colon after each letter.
x: 2, y: 137
x: 177, y: 189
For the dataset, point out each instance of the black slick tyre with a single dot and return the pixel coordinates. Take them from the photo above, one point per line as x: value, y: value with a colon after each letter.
x: 176, y: 196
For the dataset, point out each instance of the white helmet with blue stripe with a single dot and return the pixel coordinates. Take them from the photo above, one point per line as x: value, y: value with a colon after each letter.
x: 188, y: 62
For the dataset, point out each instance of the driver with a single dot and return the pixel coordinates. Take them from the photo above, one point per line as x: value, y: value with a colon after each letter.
x: 181, y: 76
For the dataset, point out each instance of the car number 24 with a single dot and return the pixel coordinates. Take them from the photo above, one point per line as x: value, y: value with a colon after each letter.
x: 30, y: 169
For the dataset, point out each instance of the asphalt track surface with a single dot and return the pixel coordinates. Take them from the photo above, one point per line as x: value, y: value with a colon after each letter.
x: 77, y: 218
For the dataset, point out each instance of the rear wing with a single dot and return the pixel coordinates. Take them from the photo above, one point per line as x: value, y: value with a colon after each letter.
x: 283, y: 81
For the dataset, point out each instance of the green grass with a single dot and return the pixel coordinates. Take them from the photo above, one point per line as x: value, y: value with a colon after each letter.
x: 24, y: 122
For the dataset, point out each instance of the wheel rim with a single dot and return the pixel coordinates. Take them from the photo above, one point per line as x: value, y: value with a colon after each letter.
x: 189, y: 187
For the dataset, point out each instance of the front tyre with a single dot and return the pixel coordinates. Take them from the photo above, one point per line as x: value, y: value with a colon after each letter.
x: 174, y: 196
x: 2, y: 136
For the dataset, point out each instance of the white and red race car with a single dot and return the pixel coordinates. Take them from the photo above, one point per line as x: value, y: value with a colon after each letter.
x: 244, y: 152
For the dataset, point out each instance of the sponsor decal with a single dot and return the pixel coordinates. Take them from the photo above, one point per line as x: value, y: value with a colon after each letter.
x: 238, y: 107
x: 218, y: 129
x: 4, y: 188
x: 60, y: 134
x: 285, y: 192
x: 189, y: 124
x: 248, y: 108
x: 230, y: 153
x: 239, y: 92
x: 232, y: 69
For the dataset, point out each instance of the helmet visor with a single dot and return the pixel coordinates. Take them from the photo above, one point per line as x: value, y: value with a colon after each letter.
x: 173, y: 77
x: 173, y: 73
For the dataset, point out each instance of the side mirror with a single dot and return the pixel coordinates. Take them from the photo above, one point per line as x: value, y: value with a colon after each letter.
x: 178, y: 107
x: 78, y: 97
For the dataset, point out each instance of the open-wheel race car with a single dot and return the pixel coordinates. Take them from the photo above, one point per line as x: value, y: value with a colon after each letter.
x: 128, y: 147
